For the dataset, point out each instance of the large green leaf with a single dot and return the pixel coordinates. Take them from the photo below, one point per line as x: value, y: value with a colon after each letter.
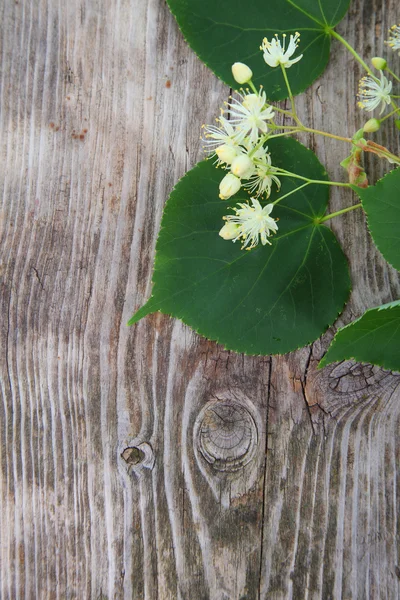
x: 222, y: 32
x: 381, y: 203
x: 269, y: 300
x: 373, y: 338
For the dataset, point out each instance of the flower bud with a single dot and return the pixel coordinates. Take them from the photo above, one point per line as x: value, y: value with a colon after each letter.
x: 229, y: 186
x: 242, y: 166
x: 229, y: 231
x: 379, y: 63
x: 241, y: 73
x: 372, y: 125
x: 226, y: 153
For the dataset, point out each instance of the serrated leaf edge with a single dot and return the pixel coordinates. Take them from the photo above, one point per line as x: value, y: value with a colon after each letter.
x: 322, y: 363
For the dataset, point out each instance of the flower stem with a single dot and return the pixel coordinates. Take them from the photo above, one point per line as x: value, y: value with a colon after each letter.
x: 352, y: 51
x: 295, y: 130
x: 317, y: 131
x: 338, y: 212
x: 295, y: 117
x: 283, y: 111
x: 283, y: 172
x: 389, y: 114
x: 326, y: 134
x: 258, y: 146
x: 291, y: 192
x: 394, y: 76
x: 253, y: 87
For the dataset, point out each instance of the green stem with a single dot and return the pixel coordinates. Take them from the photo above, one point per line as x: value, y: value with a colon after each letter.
x: 389, y: 115
x: 326, y: 134
x: 394, y: 76
x: 295, y: 117
x: 270, y: 137
x: 253, y: 87
x: 291, y: 192
x: 283, y: 111
x: 394, y: 105
x: 258, y: 146
x: 352, y: 51
x: 283, y: 172
x: 317, y: 131
x: 339, y: 212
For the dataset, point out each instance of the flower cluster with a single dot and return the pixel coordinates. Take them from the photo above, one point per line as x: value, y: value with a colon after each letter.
x: 237, y: 142
x: 394, y: 37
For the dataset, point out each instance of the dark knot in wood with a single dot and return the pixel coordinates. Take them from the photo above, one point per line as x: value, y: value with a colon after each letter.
x: 227, y: 435
x: 138, y: 457
x: 133, y: 456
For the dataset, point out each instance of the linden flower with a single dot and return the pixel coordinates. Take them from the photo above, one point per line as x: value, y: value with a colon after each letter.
x: 242, y: 166
x: 229, y: 231
x: 372, y: 93
x: 394, y: 37
x: 249, y: 116
x: 226, y: 154
x: 261, y: 181
x: 224, y: 135
x: 254, y: 224
x: 275, y: 54
x: 241, y: 73
x: 229, y: 186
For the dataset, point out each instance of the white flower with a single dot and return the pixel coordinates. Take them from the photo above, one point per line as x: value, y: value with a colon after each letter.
x: 241, y: 73
x: 217, y: 136
x: 275, y: 54
x: 261, y: 181
x: 254, y: 223
x: 226, y: 153
x: 372, y: 93
x: 243, y: 167
x: 394, y: 37
x: 229, y: 231
x: 249, y: 115
x: 229, y: 186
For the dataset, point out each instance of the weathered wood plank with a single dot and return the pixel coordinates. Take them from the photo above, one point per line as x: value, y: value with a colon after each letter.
x: 101, y: 108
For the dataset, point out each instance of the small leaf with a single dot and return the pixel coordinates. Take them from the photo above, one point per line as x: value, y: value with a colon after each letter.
x: 269, y: 300
x: 381, y: 203
x: 223, y: 32
x: 373, y: 338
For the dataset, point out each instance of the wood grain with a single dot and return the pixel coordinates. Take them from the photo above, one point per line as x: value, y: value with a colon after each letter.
x: 245, y: 477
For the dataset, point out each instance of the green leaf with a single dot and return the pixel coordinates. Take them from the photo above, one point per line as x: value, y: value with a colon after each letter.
x: 226, y: 31
x: 269, y: 300
x: 381, y: 203
x: 373, y: 338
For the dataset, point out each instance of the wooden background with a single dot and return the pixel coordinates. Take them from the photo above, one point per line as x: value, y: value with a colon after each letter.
x: 247, y: 477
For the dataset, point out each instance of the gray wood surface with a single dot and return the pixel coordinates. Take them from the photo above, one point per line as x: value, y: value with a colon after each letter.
x: 148, y: 462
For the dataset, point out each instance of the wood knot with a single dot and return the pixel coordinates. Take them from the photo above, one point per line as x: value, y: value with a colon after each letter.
x: 133, y: 456
x: 227, y: 435
x: 138, y: 457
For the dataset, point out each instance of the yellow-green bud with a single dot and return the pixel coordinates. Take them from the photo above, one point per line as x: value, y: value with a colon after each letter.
x: 241, y: 73
x: 229, y: 231
x: 372, y: 125
x: 242, y: 166
x: 229, y: 186
x: 379, y: 63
